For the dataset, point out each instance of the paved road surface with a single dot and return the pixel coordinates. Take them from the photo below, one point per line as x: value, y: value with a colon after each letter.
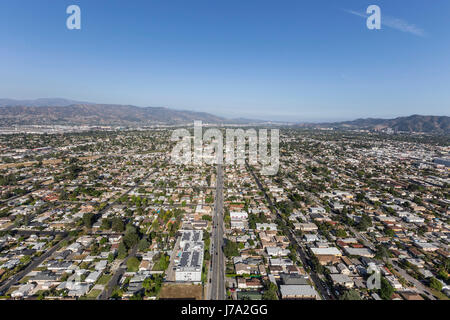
x: 171, y: 275
x: 418, y: 285
x: 217, y: 286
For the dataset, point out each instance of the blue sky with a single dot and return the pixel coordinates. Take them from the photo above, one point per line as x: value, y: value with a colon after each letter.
x: 293, y: 60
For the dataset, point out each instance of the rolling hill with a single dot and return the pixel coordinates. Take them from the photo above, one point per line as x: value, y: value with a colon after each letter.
x: 58, y: 111
x: 42, y: 102
x: 414, y: 123
x: 99, y: 114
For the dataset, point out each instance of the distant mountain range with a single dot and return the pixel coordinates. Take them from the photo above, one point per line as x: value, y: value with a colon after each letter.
x: 42, y: 102
x: 414, y: 123
x: 99, y: 114
x: 60, y: 111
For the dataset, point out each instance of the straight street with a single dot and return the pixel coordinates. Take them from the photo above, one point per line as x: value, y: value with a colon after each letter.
x: 217, y: 286
x: 418, y: 285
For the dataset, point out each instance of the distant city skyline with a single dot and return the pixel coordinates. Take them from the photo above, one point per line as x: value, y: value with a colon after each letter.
x: 297, y: 61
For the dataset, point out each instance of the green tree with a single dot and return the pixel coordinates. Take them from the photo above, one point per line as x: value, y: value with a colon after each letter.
x: 73, y: 171
x: 122, y: 251
x: 389, y: 232
x: 382, y: 252
x: 25, y: 260
x: 143, y: 244
x: 133, y: 264
x: 435, y: 284
x: 117, y: 224
x: 231, y: 249
x: 111, y: 257
x: 271, y: 291
x: 88, y: 219
x: 364, y: 223
x: 443, y: 274
x: 386, y: 290
x: 340, y: 233
x: 106, y: 224
x: 162, y: 262
x: 137, y: 296
x: 153, y: 285
x: 350, y: 295
x: 131, y: 237
x: 95, y: 249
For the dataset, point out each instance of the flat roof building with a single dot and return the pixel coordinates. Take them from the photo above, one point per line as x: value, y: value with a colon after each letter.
x: 302, y: 291
x: 190, y: 263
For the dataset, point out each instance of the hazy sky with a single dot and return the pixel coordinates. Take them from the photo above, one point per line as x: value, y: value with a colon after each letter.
x: 283, y: 60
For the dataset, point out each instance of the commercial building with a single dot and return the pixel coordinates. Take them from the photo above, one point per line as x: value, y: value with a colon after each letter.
x: 189, y: 266
x: 306, y: 292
